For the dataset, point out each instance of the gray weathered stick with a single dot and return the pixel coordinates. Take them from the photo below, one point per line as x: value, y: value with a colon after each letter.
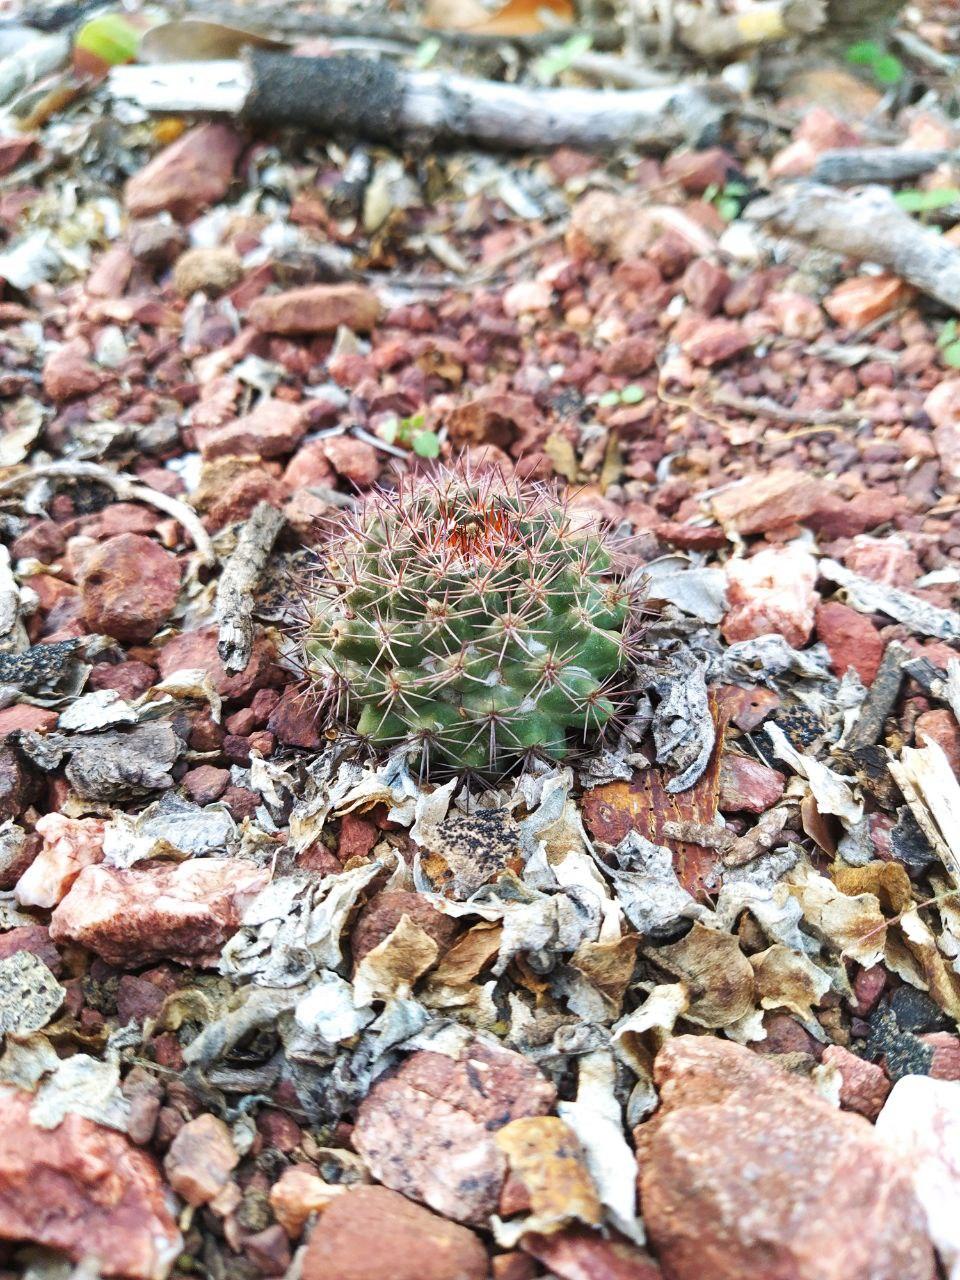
x: 351, y: 97
x: 868, y: 225
x: 241, y: 573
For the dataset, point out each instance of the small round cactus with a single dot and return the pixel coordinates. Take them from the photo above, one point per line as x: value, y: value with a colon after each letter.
x: 471, y: 618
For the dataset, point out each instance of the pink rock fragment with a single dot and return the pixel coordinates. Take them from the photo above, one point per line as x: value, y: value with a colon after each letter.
x: 316, y: 308
x: 69, y: 845
x: 201, y: 1159
x: 864, y: 1086
x: 942, y: 407
x: 427, y: 1130
x: 747, y: 786
x: 69, y: 372
x: 272, y: 430
x: 181, y: 911
x: 188, y: 176
x: 86, y: 1191
x: 772, y: 591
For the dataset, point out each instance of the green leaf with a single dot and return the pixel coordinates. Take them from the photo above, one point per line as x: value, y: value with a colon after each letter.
x: 110, y: 38
x: 426, y: 444
x: 948, y: 333
x: 887, y: 69
x: 951, y: 355
x: 609, y: 399
x: 914, y: 201
x: 632, y: 394
x: 865, y: 53
x: 388, y: 431
x: 426, y: 51
x: 559, y: 59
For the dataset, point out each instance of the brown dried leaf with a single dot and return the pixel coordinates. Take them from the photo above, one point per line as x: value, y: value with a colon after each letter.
x: 392, y: 968
x: 608, y: 966
x: 715, y: 971
x: 854, y: 926
x: 786, y: 979
x: 888, y: 881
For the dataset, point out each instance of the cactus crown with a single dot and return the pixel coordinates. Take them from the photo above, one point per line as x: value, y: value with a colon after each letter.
x: 472, y: 618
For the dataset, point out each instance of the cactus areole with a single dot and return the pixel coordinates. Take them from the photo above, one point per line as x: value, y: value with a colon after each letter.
x: 474, y: 619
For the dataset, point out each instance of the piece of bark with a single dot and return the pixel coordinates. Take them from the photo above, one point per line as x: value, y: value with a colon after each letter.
x: 868, y: 225
x: 881, y: 698
x: 854, y: 166
x: 351, y: 97
x: 235, y: 591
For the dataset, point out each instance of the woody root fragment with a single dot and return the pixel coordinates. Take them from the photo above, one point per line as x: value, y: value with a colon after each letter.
x: 868, y: 225
x: 348, y: 96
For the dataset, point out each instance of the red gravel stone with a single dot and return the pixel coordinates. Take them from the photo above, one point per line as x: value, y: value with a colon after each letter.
x: 852, y: 639
x: 946, y: 1054
x: 940, y: 726
x: 317, y: 308
x: 295, y: 722
x: 427, y: 1130
x: 130, y: 587
x: 743, y: 1161
x: 69, y: 372
x: 194, y: 649
x: 205, y: 783
x: 747, y: 786
x: 630, y: 357
x: 85, y: 1191
x: 187, y: 176
x: 864, y: 1085
x: 372, y: 1232
x: 382, y: 914
x: 272, y: 430
x: 717, y: 341
x: 705, y: 286
x: 353, y: 459
x: 29, y: 719
x: 130, y: 679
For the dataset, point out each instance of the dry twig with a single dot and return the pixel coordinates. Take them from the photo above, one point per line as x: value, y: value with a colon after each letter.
x: 241, y: 573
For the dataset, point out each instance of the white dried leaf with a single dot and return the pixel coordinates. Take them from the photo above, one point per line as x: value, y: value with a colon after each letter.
x: 100, y: 709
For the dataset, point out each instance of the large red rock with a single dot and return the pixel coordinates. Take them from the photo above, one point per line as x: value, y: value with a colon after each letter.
x: 84, y: 1190
x: 198, y: 650
x: 370, y: 1233
x: 129, y: 586
x: 428, y: 1129
x: 852, y: 639
x: 316, y: 308
x: 747, y: 1172
x: 771, y: 592
x: 181, y: 911
x: 747, y: 785
x: 188, y: 176
x: 272, y: 430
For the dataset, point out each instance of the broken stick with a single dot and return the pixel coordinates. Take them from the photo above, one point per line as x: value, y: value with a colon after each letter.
x: 352, y: 97
x: 234, y: 604
x: 868, y: 225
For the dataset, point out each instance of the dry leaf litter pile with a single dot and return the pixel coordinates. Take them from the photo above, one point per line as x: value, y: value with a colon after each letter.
x: 480, y: 642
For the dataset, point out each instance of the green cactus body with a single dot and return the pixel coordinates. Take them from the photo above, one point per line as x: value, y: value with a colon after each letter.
x: 471, y: 618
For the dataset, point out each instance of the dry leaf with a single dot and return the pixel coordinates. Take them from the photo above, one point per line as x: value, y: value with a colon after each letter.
x: 515, y: 18
x: 392, y: 968
x: 716, y: 973
x: 887, y: 880
x: 608, y: 966
x: 852, y: 925
x: 786, y: 979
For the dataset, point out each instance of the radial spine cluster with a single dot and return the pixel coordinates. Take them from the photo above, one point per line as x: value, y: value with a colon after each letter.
x: 471, y: 618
